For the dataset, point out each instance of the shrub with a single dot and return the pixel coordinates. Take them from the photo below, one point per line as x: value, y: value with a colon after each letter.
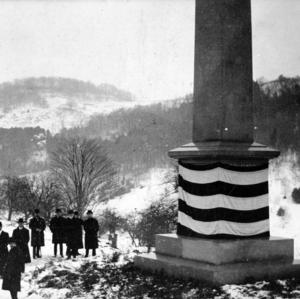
x: 281, y: 212
x: 131, y: 226
x: 110, y: 221
x: 160, y: 217
x: 296, y: 195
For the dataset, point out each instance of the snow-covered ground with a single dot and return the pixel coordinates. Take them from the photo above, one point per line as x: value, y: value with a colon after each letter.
x: 150, y: 189
x: 284, y: 177
x: 30, y: 268
x: 45, y: 266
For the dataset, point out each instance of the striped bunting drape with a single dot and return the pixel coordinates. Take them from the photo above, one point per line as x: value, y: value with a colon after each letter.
x: 223, y: 201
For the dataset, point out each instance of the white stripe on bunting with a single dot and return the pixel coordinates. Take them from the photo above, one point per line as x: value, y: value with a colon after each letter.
x: 224, y: 227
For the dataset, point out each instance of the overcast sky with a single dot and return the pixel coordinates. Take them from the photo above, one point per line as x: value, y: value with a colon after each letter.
x: 143, y: 46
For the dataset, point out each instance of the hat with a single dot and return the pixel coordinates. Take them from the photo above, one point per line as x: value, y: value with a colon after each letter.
x: 21, y: 220
x: 58, y: 210
x: 70, y: 212
x: 89, y: 212
x: 36, y: 211
x: 12, y: 240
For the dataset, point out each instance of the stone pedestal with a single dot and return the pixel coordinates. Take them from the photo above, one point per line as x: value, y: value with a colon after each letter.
x: 220, y: 252
x: 220, y: 262
x: 223, y: 239
x: 218, y: 274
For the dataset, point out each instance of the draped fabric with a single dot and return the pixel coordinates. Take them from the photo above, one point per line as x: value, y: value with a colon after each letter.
x: 223, y: 201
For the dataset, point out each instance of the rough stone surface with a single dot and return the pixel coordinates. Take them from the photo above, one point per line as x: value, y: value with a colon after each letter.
x: 226, y: 251
x: 223, y: 71
x: 217, y: 274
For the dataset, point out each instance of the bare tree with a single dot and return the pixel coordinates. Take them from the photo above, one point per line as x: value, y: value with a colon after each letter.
x: 81, y: 167
x: 47, y: 195
x: 17, y: 195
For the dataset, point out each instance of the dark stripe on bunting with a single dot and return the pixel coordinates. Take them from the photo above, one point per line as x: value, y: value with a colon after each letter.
x: 216, y: 214
x: 186, y: 232
x: 204, y: 167
x: 223, y: 188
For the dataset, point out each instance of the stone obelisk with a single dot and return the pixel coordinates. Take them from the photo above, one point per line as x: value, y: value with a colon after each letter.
x: 223, y: 233
x: 223, y: 72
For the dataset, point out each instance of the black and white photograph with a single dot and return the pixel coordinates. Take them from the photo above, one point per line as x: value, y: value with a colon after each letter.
x: 149, y: 149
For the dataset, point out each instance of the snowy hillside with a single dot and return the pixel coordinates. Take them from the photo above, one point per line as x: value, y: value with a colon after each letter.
x: 152, y: 188
x: 60, y: 112
x: 55, y: 103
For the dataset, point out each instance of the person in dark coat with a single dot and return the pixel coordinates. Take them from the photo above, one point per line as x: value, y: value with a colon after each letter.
x: 4, y: 238
x: 91, y: 228
x: 21, y: 235
x: 57, y: 227
x: 37, y: 225
x: 78, y: 231
x: 70, y: 229
x: 13, y: 268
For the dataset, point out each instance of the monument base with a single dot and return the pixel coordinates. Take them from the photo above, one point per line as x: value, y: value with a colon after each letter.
x: 218, y: 274
x: 219, y: 262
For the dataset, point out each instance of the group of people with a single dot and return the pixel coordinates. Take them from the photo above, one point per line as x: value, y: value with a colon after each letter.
x: 68, y: 230
x: 65, y: 230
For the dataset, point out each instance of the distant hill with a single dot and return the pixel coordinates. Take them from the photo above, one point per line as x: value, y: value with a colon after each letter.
x: 54, y: 103
x: 281, y: 85
x: 138, y: 137
x: 34, y: 90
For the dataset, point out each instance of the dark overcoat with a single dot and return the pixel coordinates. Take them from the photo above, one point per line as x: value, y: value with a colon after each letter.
x: 77, y: 222
x: 57, y: 227
x: 91, y: 228
x: 70, y: 229
x: 37, y: 237
x: 4, y: 237
x: 12, y: 270
x: 22, y: 237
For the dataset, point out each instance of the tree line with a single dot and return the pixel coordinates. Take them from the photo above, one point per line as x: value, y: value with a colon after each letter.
x: 80, y: 172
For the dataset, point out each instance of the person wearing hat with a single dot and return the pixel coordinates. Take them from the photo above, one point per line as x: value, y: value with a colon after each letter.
x: 13, y: 268
x: 57, y: 227
x: 77, y: 221
x: 91, y: 228
x: 4, y: 237
x: 21, y: 234
x: 70, y: 229
x: 37, y: 225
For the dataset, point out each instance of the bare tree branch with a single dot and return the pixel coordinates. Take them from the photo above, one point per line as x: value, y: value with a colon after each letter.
x: 80, y: 165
